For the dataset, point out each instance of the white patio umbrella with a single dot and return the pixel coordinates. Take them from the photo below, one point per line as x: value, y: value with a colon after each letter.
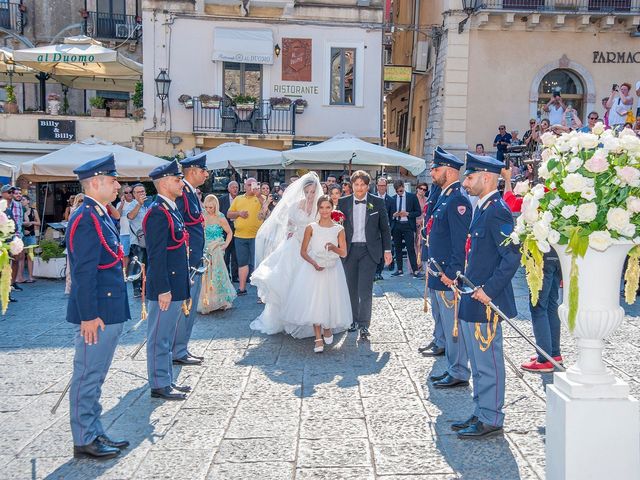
x: 242, y: 157
x: 59, y: 165
x: 21, y: 74
x: 346, y: 149
x: 79, y: 56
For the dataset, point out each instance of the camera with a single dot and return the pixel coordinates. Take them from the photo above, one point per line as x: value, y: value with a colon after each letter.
x: 615, y: 87
x: 276, y: 197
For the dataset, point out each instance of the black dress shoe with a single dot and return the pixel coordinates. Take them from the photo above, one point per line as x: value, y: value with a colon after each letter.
x: 450, y: 382
x: 119, y: 444
x: 479, y: 430
x: 418, y: 275
x: 353, y: 327
x: 240, y: 293
x: 95, y: 449
x: 434, y: 352
x: 424, y: 348
x: 167, y: 394
x: 187, y: 360
x: 364, y: 334
x: 197, y: 357
x: 16, y: 287
x: 11, y: 299
x: 181, y: 388
x: 436, y: 378
x: 397, y: 274
x: 466, y: 424
x: 379, y: 277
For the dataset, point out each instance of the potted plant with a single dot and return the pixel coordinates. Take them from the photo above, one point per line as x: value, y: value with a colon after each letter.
x: 137, y: 97
x: 280, y: 103
x: 97, y: 107
x: 118, y: 109
x: 300, y: 104
x: 588, y: 211
x: 186, y: 101
x: 210, y: 101
x: 51, y: 262
x: 244, y: 102
x: 10, y: 104
x: 53, y: 104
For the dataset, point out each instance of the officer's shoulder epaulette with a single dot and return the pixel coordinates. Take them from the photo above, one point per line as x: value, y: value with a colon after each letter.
x: 99, y: 210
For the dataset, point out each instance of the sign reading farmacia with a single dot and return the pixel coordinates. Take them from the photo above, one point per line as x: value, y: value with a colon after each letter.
x: 616, y: 57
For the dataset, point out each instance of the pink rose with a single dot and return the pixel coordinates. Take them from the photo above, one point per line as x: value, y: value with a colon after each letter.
x: 629, y: 176
x: 3, y: 218
x: 597, y: 163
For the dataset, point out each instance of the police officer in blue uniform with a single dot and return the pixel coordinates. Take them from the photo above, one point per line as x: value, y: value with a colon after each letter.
x: 491, y: 264
x: 98, y: 304
x: 195, y: 174
x: 447, y: 234
x: 167, y: 279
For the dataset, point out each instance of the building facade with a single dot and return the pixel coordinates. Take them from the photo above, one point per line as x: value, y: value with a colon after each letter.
x: 237, y: 70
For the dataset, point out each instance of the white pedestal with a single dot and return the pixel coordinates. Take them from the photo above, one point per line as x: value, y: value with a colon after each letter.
x: 593, y: 432
x: 54, y: 268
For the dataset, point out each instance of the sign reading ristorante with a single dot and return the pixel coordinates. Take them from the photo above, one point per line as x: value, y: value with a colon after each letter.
x: 616, y: 57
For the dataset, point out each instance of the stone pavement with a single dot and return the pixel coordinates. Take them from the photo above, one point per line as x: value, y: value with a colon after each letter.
x: 268, y: 407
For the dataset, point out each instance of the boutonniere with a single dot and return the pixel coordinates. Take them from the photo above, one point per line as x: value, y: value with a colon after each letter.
x: 369, y: 206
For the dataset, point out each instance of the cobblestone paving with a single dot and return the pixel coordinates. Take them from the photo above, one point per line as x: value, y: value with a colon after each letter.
x: 268, y: 408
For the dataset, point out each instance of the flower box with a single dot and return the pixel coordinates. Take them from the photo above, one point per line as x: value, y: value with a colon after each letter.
x: 245, y: 106
x: 208, y: 104
x: 281, y: 107
x: 118, y: 112
x: 299, y: 108
x: 11, y: 107
x: 98, y: 112
x: 54, y: 268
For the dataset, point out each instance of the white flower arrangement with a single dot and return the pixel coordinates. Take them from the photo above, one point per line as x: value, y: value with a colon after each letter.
x: 590, y: 199
x: 7, y: 245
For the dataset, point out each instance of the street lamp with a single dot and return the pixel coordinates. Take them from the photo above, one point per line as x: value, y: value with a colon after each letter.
x: 163, y: 82
x: 469, y: 7
x: 11, y: 68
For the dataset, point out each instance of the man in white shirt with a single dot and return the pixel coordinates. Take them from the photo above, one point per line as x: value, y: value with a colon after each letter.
x: 135, y: 213
x: 125, y: 201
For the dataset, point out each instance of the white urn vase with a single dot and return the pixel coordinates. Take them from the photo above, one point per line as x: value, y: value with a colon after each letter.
x: 54, y: 107
x: 599, y: 312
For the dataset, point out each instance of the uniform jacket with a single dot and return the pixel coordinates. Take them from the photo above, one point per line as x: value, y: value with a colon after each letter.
x: 98, y: 288
x: 412, y: 206
x: 168, y: 264
x: 490, y: 263
x: 191, y: 211
x: 448, y: 231
x: 376, y: 230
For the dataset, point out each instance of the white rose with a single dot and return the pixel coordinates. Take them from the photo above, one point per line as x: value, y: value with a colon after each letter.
x: 587, y: 212
x: 515, y: 238
x: 589, y: 140
x: 556, y: 201
x: 547, y: 218
x: 546, y: 154
x: 8, y: 227
x: 543, y: 246
x: 529, y: 209
x: 548, y: 139
x: 540, y: 231
x: 618, y: 219
x: 554, y: 236
x: 543, y: 171
x: 598, y: 128
x: 574, y: 164
x: 628, y: 175
x: 610, y: 144
x: 521, y: 188
x: 589, y: 193
x: 600, y: 240
x: 538, y: 191
x: 630, y: 142
x: 633, y: 204
x: 16, y: 246
x: 568, y: 211
x: 574, y: 182
x: 520, y: 227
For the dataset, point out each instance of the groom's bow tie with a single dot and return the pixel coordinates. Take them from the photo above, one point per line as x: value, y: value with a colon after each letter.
x: 358, y: 202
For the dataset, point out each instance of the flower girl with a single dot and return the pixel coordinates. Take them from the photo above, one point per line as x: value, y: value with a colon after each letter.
x: 319, y: 296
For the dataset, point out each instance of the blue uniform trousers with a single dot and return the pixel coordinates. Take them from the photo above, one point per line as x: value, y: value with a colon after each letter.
x: 455, y: 349
x: 487, y: 370
x: 90, y: 366
x: 161, y: 332
x: 185, y: 322
x: 438, y: 330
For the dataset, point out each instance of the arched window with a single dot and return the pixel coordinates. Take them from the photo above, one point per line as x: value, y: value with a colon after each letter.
x: 568, y: 84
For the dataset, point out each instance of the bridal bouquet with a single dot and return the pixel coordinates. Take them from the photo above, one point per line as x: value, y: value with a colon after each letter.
x: 590, y: 199
x: 7, y: 245
x: 338, y: 217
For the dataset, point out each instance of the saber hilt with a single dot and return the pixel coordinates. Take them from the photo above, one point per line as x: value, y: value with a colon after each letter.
x: 203, y: 264
x: 468, y: 283
x: 136, y: 276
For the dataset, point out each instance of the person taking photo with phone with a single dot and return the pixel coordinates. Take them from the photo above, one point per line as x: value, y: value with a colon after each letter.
x: 620, y: 102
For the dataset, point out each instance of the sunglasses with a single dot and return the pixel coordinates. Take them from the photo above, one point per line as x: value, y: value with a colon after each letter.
x: 128, y: 193
x: 422, y: 188
x: 593, y: 118
x: 532, y: 123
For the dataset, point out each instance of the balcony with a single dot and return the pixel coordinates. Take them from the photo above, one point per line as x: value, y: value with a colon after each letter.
x: 12, y: 16
x: 263, y: 119
x: 107, y: 25
x: 563, y: 6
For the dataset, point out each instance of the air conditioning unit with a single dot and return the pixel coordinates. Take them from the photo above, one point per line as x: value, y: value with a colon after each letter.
x: 422, y: 56
x: 124, y: 30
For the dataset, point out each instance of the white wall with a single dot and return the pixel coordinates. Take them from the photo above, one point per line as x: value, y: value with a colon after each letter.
x: 193, y: 72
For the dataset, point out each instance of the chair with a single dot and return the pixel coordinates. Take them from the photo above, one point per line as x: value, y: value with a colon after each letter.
x: 227, y: 112
x: 263, y: 114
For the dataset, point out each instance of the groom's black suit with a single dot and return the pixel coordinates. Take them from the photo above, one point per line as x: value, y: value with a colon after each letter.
x: 363, y: 256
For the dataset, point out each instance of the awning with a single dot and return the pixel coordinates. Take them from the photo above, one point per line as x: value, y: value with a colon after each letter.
x: 243, y: 45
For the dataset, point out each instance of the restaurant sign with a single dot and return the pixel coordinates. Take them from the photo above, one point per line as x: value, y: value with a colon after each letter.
x: 616, y: 57
x: 65, y: 58
x: 56, y: 130
x: 397, y: 73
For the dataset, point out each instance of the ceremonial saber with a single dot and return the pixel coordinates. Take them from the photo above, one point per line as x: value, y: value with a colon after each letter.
x: 129, y: 278
x: 493, y: 307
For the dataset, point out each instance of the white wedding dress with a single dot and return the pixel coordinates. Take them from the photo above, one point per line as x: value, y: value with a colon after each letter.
x: 318, y: 297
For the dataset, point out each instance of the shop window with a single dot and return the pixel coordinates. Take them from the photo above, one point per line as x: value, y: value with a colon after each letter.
x: 568, y: 84
x: 343, y: 69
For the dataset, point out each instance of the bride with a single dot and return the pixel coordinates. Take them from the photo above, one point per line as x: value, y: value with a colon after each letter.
x: 278, y: 258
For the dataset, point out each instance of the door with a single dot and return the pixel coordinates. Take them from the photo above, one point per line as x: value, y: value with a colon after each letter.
x: 241, y: 79
x: 109, y: 13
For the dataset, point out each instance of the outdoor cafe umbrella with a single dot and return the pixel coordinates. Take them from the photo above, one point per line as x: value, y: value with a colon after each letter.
x: 346, y: 149
x: 242, y: 157
x: 21, y: 74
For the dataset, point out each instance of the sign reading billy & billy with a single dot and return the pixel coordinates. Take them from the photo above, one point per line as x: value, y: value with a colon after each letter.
x: 57, y: 130
x: 616, y: 57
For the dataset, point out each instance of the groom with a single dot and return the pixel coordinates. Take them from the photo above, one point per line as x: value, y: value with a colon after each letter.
x: 368, y: 238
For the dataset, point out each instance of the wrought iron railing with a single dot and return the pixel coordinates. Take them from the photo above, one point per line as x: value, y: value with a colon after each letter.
x: 12, y: 16
x: 228, y: 118
x: 565, y: 6
x: 113, y: 25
